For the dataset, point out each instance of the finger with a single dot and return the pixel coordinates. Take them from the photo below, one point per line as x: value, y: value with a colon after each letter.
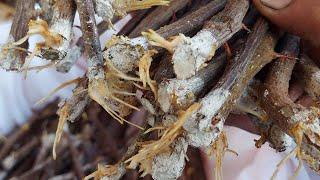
x: 305, y: 101
x: 313, y: 52
x: 241, y: 121
x: 300, y: 17
x: 295, y: 91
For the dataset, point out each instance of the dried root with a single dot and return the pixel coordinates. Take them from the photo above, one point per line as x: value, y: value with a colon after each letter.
x: 70, y: 110
x: 63, y: 115
x: 297, y: 151
x: 107, y: 172
x: 57, y: 35
x: 123, y: 6
x: 122, y: 54
x: 51, y: 40
x: 107, y: 9
x: 41, y: 27
x: 123, y: 57
x: 149, y: 150
x: 103, y: 94
x: 219, y: 148
x: 157, y: 40
x: 63, y: 85
x: 144, y: 71
x: 62, y: 23
x: 270, y: 132
x: 170, y: 164
x: 207, y: 123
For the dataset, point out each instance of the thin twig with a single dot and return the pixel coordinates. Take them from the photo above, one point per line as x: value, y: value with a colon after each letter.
x: 158, y: 17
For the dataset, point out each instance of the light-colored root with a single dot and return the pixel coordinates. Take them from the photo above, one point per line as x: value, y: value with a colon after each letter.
x: 132, y: 5
x: 28, y: 61
x: 149, y: 150
x: 63, y: 115
x: 124, y: 93
x: 282, y: 163
x: 144, y: 70
x: 298, y: 134
x: 156, y: 40
x: 124, y: 103
x: 107, y: 171
x: 16, y: 48
x: 39, y: 68
x: 113, y: 71
x: 99, y: 91
x: 153, y: 129
x: 41, y: 27
x: 61, y: 86
x: 219, y: 148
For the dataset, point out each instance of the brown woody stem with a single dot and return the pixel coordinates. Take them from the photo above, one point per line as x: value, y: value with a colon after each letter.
x: 292, y: 118
x: 12, y: 59
x: 158, y: 17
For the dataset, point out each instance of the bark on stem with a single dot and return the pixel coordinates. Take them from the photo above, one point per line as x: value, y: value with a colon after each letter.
x: 249, y: 103
x: 206, y: 124
x: 12, y: 59
x: 62, y: 23
x: 301, y: 123
x: 184, y: 25
x: 78, y: 102
x: 175, y: 94
x: 191, y: 54
x: 309, y: 73
x: 134, y: 21
x: 158, y: 17
x: 188, y: 23
x: 192, y: 21
x: 91, y: 39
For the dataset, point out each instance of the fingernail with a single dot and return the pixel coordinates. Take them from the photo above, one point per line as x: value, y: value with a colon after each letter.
x: 276, y: 4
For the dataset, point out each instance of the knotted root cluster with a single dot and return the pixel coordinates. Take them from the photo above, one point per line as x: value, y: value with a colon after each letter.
x: 203, y: 82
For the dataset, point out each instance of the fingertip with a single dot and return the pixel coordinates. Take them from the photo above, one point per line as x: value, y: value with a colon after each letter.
x: 275, y: 15
x: 300, y: 17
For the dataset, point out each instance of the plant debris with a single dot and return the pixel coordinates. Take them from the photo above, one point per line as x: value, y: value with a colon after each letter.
x: 181, y: 68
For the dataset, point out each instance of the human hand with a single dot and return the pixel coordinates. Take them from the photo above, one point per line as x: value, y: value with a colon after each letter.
x: 300, y: 17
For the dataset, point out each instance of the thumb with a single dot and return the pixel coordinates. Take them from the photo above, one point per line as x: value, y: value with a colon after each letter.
x: 300, y: 17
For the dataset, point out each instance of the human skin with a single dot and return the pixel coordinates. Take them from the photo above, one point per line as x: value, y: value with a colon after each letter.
x: 300, y: 17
